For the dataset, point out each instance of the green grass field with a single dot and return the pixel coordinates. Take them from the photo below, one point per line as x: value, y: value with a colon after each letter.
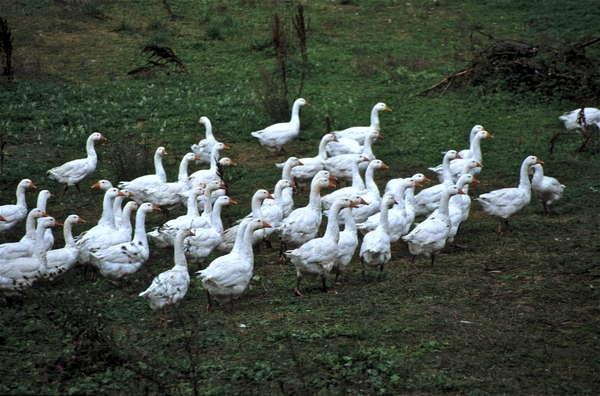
x: 515, y: 313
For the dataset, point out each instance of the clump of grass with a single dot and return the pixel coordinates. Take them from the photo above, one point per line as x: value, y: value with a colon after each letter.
x: 219, y: 28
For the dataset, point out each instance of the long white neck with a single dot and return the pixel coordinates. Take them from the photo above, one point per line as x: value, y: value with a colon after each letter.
x: 314, y: 199
x: 239, y: 237
x: 215, y: 218
x: 118, y: 206
x: 446, y: 172
x: 68, y: 234
x: 140, y: 227
x: 179, y: 253
x: 357, y: 180
x: 333, y: 227
x: 524, y: 182
x: 475, y: 148
x: 208, y: 206
x: 30, y: 227
x: 399, y: 197
x: 368, y: 147
x: 21, y: 199
x: 409, y: 200
x: 370, y: 184
x: 159, y: 169
x: 42, y: 201
x: 40, y: 246
x: 183, y: 170
x: 126, y: 219
x: 383, y: 219
x: 323, y: 149
x: 192, y: 206
x: 349, y: 222
x: 89, y: 147
x: 256, y: 205
x: 108, y: 215
x: 214, y: 157
x: 278, y: 193
x: 295, y: 113
x: 375, y: 119
x: 209, y: 132
x: 444, y: 201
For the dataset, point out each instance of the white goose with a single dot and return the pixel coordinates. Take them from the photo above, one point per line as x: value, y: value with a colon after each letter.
x: 303, y: 223
x: 124, y: 225
x: 42, y: 203
x: 287, y: 198
x: 428, y: 199
x: 459, y: 206
x: 226, y: 278
x: 375, y: 250
x: 169, y: 287
x: 139, y: 184
x: 502, y: 204
x: 165, y: 234
x: 26, y: 246
x: 73, y: 172
x: 429, y: 237
x: 547, y: 189
x: 575, y: 120
x: 397, y: 215
x: 230, y: 235
x: 204, y: 147
x: 272, y: 209
x: 118, y: 262
x: 14, y: 214
x: 20, y: 273
x: 371, y: 193
x: 360, y: 133
x: 102, y: 235
x: 457, y: 164
x: 221, y: 164
x: 302, y: 174
x: 169, y: 195
x: 316, y: 257
x: 200, y: 246
x: 409, y: 200
x: 341, y: 165
x: 348, y: 240
x: 207, y: 175
x: 468, y: 153
x: 274, y: 137
x: 59, y: 261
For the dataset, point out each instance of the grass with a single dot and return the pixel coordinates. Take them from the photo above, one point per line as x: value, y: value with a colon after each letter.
x: 515, y: 313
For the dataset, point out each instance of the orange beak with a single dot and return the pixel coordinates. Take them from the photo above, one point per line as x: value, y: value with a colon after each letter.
x: 384, y: 166
x: 80, y: 220
x: 458, y: 156
x: 226, y: 147
x: 489, y: 135
x: 232, y: 202
x: 266, y: 225
x: 539, y: 161
x: 353, y: 205
x: 154, y: 207
x: 461, y: 191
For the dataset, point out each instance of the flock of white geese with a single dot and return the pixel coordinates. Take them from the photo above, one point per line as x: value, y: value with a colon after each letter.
x: 116, y: 248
